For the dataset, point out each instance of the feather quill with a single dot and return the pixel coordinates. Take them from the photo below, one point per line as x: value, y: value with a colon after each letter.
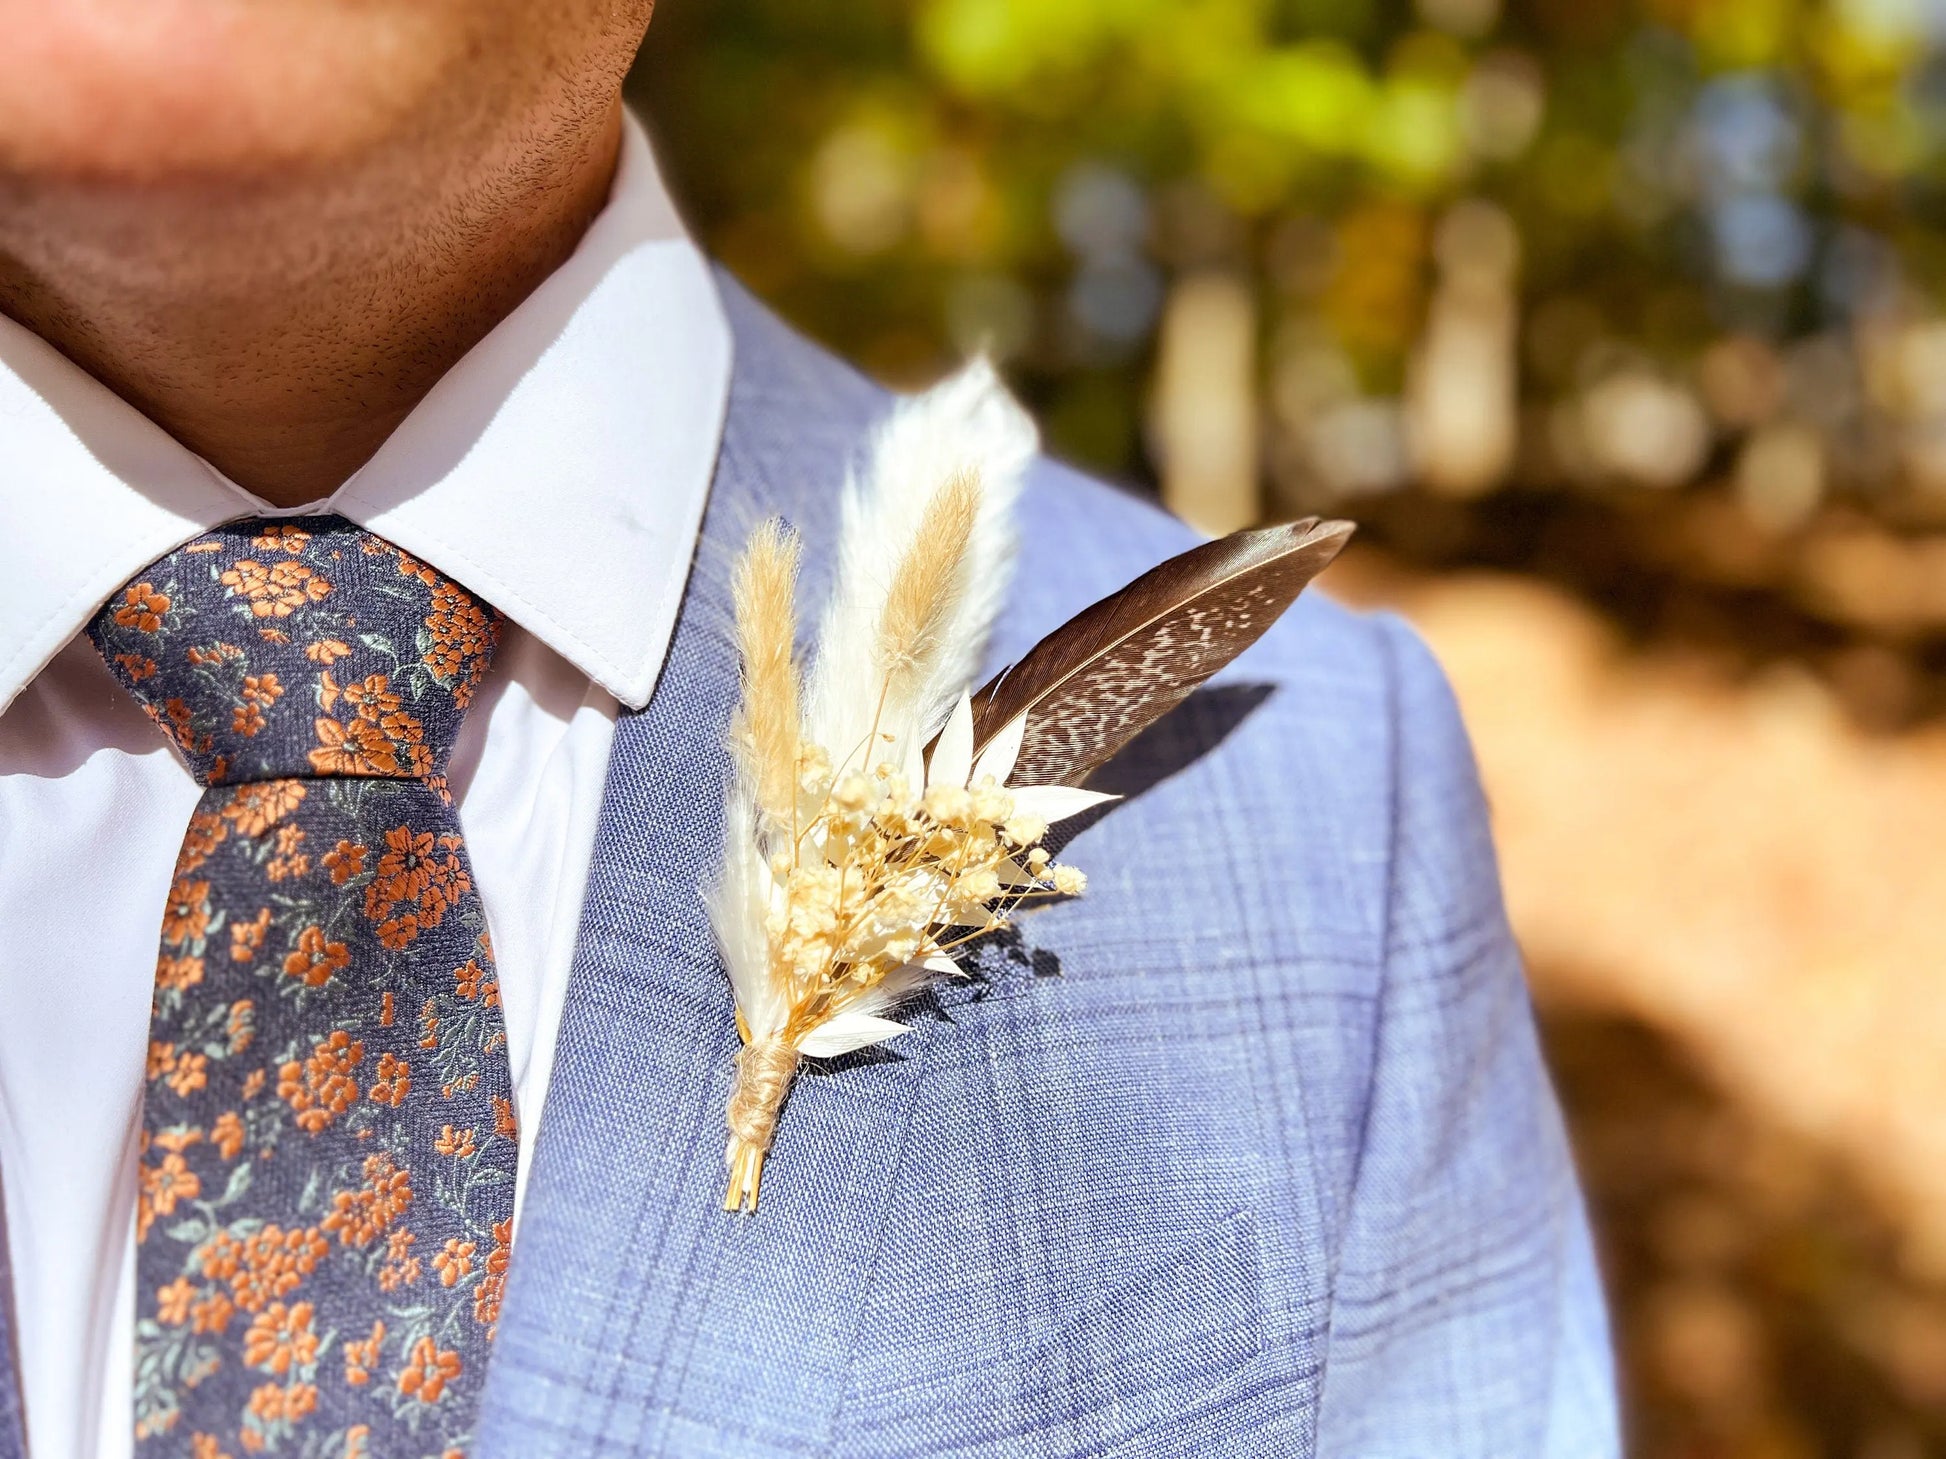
x: 1113, y: 669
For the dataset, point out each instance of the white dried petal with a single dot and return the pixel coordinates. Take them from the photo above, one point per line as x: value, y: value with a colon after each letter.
x: 846, y: 1032
x: 952, y: 754
x: 997, y: 759
x: 1055, y: 803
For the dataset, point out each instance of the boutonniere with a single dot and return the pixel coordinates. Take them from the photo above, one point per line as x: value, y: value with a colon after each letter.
x: 880, y: 816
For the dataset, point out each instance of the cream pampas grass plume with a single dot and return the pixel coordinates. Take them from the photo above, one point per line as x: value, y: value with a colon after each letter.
x: 879, y: 820
x: 925, y: 555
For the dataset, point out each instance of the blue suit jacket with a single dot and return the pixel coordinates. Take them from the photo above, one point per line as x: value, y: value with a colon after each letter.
x: 1247, y: 1152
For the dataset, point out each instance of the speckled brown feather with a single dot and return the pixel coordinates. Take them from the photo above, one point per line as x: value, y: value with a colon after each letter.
x: 1113, y: 669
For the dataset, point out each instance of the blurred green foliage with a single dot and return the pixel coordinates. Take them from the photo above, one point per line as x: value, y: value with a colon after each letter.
x: 1640, y: 293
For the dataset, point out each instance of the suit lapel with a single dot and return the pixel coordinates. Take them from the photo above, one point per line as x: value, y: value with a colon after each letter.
x: 640, y: 1316
x: 13, y: 1439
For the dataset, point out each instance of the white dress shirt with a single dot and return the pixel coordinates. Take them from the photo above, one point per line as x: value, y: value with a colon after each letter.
x: 560, y: 472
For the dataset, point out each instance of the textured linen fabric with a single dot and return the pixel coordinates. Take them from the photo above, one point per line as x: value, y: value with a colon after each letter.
x: 1248, y: 1151
x: 328, y: 1131
x: 13, y: 1429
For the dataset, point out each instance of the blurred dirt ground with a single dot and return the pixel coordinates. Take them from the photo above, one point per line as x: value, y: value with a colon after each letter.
x: 1729, y: 894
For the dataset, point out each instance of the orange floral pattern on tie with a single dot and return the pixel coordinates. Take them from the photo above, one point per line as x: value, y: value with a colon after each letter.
x: 325, y: 1199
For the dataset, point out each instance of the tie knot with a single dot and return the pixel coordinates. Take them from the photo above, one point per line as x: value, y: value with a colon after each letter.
x: 298, y: 648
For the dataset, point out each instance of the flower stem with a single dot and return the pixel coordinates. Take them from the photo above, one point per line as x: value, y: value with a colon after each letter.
x: 764, y: 1073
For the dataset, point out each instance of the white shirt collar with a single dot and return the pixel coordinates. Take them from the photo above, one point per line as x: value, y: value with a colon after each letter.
x: 559, y: 469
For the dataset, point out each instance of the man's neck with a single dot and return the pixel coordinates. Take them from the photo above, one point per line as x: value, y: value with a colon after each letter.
x: 283, y: 332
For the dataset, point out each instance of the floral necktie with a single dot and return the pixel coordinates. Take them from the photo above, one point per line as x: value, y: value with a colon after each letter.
x: 327, y: 1169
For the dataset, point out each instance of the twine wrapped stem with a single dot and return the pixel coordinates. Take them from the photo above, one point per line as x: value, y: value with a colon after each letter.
x: 764, y: 1073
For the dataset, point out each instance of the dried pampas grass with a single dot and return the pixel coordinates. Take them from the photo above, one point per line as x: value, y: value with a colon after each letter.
x: 763, y: 736
x: 962, y: 447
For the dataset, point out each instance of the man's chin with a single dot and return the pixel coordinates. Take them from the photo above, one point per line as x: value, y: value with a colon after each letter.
x: 151, y: 90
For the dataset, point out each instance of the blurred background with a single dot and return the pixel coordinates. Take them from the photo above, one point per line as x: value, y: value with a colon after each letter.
x: 1619, y: 326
